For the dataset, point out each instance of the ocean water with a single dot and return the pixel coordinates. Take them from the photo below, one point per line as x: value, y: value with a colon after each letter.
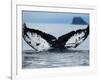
x: 53, y: 59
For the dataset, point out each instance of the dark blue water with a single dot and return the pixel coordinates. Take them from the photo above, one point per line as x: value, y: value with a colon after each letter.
x: 54, y: 59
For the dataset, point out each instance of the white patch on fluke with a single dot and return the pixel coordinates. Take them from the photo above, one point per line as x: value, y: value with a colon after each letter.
x: 37, y: 42
x: 75, y: 39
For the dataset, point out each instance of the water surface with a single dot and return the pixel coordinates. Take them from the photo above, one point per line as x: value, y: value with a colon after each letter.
x: 54, y: 59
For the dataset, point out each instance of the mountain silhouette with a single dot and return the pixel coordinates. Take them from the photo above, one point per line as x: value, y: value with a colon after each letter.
x: 78, y: 20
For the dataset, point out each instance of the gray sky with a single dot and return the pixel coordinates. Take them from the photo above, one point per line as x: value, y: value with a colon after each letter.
x: 52, y: 17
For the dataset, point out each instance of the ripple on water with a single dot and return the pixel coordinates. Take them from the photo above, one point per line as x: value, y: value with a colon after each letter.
x: 52, y: 59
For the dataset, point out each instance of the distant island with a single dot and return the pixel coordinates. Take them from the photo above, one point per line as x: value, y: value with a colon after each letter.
x: 78, y: 20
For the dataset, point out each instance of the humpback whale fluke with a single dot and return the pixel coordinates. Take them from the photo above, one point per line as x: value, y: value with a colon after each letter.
x: 41, y: 41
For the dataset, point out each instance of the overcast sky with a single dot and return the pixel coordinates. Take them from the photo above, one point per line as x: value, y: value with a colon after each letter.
x: 51, y: 17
